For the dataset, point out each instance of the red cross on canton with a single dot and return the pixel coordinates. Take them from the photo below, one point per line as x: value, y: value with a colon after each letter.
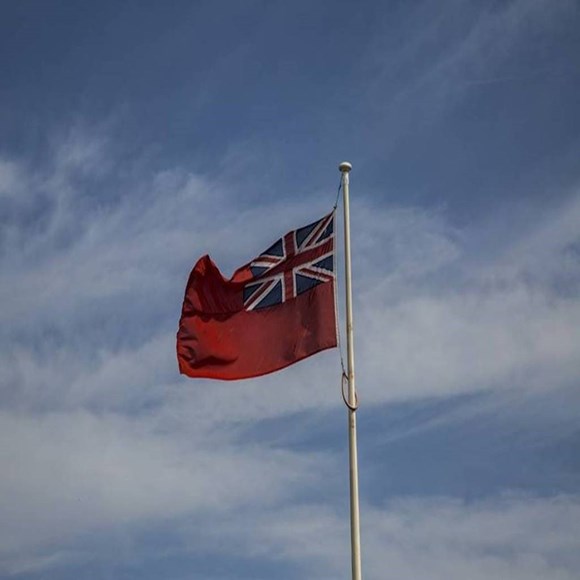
x: 296, y: 263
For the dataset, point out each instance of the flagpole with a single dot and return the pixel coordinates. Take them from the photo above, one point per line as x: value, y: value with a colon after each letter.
x: 345, y: 168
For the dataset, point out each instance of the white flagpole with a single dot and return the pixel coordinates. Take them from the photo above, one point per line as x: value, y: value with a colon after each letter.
x: 345, y: 168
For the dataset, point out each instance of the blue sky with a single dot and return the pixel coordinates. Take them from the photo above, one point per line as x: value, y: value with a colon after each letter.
x: 137, y: 136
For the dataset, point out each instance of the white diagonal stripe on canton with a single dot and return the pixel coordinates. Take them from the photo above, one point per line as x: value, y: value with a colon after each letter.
x: 264, y: 291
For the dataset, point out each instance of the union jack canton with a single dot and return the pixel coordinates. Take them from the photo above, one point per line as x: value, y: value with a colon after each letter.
x: 272, y: 285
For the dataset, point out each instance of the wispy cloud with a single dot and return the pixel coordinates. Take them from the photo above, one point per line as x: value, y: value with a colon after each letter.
x: 511, y: 537
x: 412, y: 80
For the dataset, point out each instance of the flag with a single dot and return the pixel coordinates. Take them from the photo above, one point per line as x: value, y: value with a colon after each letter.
x: 274, y: 311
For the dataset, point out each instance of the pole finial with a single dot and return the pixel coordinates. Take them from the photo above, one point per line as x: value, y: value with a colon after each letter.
x: 345, y: 167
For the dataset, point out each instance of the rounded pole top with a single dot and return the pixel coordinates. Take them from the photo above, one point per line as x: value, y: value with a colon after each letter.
x: 345, y: 167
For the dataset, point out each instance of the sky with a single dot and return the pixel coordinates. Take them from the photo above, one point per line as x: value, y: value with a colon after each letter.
x: 137, y: 136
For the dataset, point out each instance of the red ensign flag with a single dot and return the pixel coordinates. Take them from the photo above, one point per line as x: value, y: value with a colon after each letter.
x: 274, y: 311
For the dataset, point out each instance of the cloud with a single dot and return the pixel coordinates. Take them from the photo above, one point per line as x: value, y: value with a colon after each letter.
x: 507, y: 538
x: 464, y: 342
x: 10, y: 179
x: 514, y: 537
x: 67, y: 474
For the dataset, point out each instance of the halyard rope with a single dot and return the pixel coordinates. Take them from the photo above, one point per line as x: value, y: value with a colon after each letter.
x: 344, y: 376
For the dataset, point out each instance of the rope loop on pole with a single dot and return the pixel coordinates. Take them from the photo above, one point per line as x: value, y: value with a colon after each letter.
x: 343, y: 382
